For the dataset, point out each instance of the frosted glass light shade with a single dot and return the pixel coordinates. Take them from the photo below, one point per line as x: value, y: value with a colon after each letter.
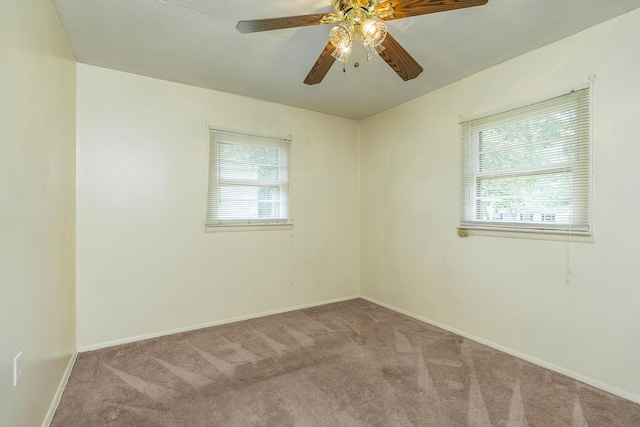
x: 342, y: 55
x: 371, y: 50
x: 374, y: 32
x: 340, y: 36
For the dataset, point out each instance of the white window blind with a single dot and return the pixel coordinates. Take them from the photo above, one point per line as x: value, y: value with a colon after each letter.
x: 528, y: 169
x: 248, y: 179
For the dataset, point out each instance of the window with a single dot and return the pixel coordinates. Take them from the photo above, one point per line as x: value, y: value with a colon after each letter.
x: 248, y: 180
x: 528, y: 169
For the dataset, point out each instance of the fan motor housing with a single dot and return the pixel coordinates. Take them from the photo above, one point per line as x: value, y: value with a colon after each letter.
x: 343, y: 6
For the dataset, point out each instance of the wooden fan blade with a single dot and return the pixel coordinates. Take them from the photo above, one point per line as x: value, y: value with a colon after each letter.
x: 407, y: 8
x: 399, y: 59
x: 321, y: 67
x: 279, y: 23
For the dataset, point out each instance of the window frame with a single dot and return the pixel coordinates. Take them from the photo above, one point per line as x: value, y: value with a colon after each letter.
x: 213, y: 221
x: 470, y: 176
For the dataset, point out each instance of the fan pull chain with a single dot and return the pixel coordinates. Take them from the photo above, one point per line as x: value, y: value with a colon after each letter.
x: 355, y: 42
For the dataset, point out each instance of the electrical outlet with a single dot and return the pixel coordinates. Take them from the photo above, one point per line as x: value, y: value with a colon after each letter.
x: 17, y: 369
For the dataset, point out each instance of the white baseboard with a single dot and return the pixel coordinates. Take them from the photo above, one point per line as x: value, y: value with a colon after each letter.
x: 56, y: 398
x: 98, y: 346
x: 576, y: 376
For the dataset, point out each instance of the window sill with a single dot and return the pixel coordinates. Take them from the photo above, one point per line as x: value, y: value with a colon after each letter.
x: 247, y: 227
x: 551, y: 235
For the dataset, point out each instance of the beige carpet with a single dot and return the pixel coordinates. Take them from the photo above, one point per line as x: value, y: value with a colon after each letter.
x: 346, y: 364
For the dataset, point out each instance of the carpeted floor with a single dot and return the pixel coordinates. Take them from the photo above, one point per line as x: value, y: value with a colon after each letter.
x: 346, y: 364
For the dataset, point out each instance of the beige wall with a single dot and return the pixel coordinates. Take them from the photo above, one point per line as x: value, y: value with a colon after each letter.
x: 145, y: 264
x: 37, y: 199
x: 512, y: 292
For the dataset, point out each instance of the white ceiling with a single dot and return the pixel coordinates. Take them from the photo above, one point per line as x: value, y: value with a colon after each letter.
x: 195, y: 42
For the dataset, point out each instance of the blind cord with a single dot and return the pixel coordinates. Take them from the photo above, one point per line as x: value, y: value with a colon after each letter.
x: 591, y: 80
x: 293, y: 257
x: 568, y: 277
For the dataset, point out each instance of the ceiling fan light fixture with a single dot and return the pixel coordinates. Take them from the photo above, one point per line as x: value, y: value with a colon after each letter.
x: 361, y: 19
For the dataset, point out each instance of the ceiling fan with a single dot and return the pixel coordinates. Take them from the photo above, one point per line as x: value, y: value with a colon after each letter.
x: 361, y: 20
